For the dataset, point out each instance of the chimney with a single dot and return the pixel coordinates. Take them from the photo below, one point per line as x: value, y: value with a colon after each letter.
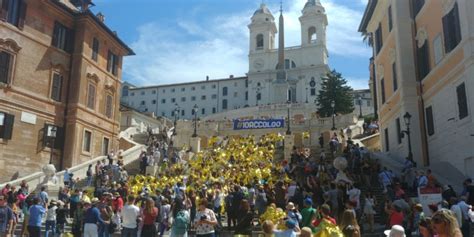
x: 231, y: 76
x: 207, y: 78
x: 101, y: 17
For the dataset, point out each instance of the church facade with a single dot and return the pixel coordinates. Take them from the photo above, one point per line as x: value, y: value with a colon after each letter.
x: 275, y: 75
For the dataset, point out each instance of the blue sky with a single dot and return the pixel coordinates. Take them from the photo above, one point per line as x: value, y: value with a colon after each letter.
x: 185, y: 40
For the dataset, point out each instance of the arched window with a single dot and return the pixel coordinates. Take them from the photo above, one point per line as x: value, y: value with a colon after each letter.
x: 125, y: 91
x: 224, y: 104
x: 259, y: 41
x: 312, y: 35
x: 224, y: 91
x: 259, y: 96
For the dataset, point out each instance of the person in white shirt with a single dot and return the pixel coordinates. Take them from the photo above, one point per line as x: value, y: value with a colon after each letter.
x: 456, y: 210
x: 51, y: 219
x: 354, y: 196
x: 130, y: 216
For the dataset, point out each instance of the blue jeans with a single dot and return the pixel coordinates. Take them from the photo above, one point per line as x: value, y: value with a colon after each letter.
x: 104, y: 230
x: 127, y: 232
x: 162, y: 228
x: 89, y: 181
x: 50, y: 226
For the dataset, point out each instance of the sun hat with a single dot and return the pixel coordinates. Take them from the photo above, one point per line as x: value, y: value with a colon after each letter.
x: 95, y: 200
x: 396, y: 231
x: 290, y: 206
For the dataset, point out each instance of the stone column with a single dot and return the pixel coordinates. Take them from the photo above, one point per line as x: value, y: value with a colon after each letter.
x: 195, y: 143
x: 289, y: 143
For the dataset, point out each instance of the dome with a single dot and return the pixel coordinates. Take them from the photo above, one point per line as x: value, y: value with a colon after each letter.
x: 262, y: 10
x: 311, y: 3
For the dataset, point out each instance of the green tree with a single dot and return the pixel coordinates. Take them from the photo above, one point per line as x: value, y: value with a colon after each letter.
x: 334, y: 88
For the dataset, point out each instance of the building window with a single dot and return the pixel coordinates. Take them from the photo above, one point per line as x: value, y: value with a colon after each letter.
x: 438, y: 49
x: 192, y: 111
x: 214, y: 110
x: 13, y: 12
x: 142, y: 93
x: 203, y: 111
x: 132, y: 94
x: 387, y: 141
x: 224, y: 91
x: 6, y: 125
x: 214, y: 86
x: 203, y: 87
x: 236, y: 94
x: 451, y: 29
x: 91, y: 96
x: 173, y: 100
x: 214, y: 96
x: 163, y: 91
x: 183, y: 99
x: 313, y: 92
x: 86, y: 141
x: 246, y: 95
x: 163, y: 101
x: 224, y: 104
x: 109, y: 106
x: 182, y: 112
x: 193, y: 88
x: 368, y: 103
x: 5, y: 66
x: 462, y: 101
x: 394, y: 76
x: 378, y: 39
x: 399, y: 130
x: 203, y: 97
x: 153, y: 92
x: 112, y: 63
x: 142, y: 102
x: 417, y: 5
x: 390, y: 21
x: 56, y: 87
x: 382, y: 87
x: 105, y: 146
x: 95, y: 49
x: 259, y: 41
x: 63, y: 37
x: 183, y: 89
x: 430, y: 121
x: 193, y: 98
x: 153, y: 102
x: 312, y: 37
x: 259, y: 96
x: 236, y: 84
x: 173, y: 90
x: 125, y: 91
x: 423, y: 61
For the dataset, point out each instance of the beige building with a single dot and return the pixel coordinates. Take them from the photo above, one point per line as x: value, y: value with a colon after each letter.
x: 423, y: 64
x: 60, y: 77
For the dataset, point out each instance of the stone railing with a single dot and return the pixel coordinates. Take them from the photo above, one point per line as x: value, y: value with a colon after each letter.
x: 36, y: 180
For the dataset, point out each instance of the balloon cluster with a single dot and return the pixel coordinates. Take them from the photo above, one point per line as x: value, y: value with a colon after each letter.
x: 241, y: 160
x: 274, y: 214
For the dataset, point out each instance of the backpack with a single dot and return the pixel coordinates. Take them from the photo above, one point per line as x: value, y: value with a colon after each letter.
x: 181, y: 223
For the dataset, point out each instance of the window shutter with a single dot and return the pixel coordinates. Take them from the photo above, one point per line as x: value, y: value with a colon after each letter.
x: 116, y: 63
x: 8, y: 124
x: 4, y: 66
x: 457, y: 26
x: 21, y: 19
x: 69, y: 40
x: 462, y: 101
x: 55, y: 35
x: 109, y: 61
x: 4, y: 12
x: 446, y: 35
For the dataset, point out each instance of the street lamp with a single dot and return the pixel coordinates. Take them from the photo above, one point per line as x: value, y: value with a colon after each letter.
x: 359, y: 99
x: 51, y: 132
x: 333, y: 106
x: 306, y: 95
x: 407, y: 118
x: 176, y: 114
x: 195, y: 110
x: 288, y: 105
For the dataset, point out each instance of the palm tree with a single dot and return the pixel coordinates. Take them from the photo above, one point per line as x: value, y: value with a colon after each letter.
x: 368, y: 38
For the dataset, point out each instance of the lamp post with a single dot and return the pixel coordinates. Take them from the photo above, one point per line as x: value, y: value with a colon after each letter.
x: 333, y: 106
x: 407, y: 118
x: 359, y: 99
x: 306, y: 95
x: 288, y: 130
x: 176, y: 114
x: 51, y: 132
x: 195, y: 110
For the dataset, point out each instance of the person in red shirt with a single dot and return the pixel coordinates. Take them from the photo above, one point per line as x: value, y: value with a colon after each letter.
x: 395, y: 214
x: 149, y: 216
x: 117, y: 203
x: 325, y: 213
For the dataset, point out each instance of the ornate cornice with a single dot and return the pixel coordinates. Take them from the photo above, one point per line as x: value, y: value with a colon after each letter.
x: 10, y: 45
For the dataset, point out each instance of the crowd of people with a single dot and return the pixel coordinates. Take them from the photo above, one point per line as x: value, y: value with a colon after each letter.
x: 287, y: 198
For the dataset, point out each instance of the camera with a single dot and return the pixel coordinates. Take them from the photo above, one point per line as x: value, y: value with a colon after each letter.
x: 203, y: 218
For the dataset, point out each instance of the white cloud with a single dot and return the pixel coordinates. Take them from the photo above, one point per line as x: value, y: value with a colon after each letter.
x: 218, y: 46
x: 358, y: 83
